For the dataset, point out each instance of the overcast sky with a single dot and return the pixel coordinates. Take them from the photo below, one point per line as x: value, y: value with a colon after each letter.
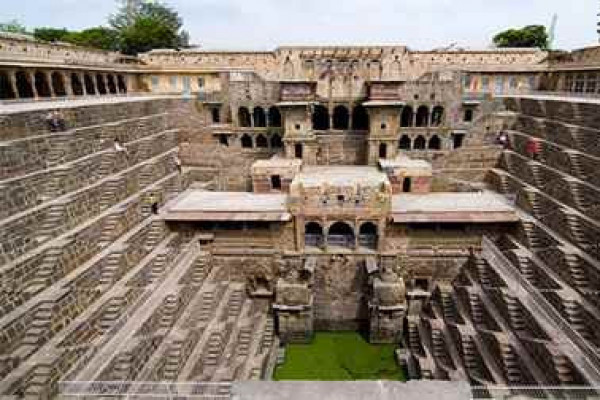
x: 265, y: 24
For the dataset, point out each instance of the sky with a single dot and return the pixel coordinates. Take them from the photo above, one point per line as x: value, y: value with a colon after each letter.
x: 266, y: 24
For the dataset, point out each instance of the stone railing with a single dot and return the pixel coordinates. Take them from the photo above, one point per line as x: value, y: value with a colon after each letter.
x: 188, y: 390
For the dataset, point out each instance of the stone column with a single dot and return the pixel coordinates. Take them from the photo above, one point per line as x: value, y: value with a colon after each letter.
x: 95, y: 82
x: 67, y: 83
x: 13, y: 82
x: 50, y: 85
x: 414, y: 117
x: 82, y: 81
x: 105, y: 79
x: 31, y: 79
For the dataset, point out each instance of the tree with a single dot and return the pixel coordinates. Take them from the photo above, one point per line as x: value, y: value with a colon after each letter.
x: 529, y: 36
x: 143, y: 26
x: 99, y: 37
x: 51, y: 34
x: 13, y: 26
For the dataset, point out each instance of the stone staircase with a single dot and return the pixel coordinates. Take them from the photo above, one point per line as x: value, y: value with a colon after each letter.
x: 39, y: 328
x: 111, y: 268
x: 54, y: 219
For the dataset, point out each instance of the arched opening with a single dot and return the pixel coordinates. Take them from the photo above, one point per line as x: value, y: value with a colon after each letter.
x: 367, y: 236
x: 112, y: 88
x: 420, y: 143
x: 259, y: 117
x: 274, y: 117
x: 121, y: 83
x: 288, y: 69
x: 262, y: 142
x: 298, y: 150
x: 406, y: 119
x: 437, y: 115
x: 422, y: 116
x: 244, y: 119
x: 468, y: 117
x: 276, y: 182
x: 23, y: 86
x: 101, y: 84
x: 247, y: 141
x: 407, y: 185
x: 320, y: 118
x: 276, y: 142
x: 435, y: 143
x: 76, y: 85
x: 360, y: 119
x: 89, y: 84
x: 58, y: 84
x: 340, y: 234
x: 383, y: 150
x: 341, y: 118
x: 313, y: 234
x: 6, y: 91
x: 404, y: 143
x: 215, y: 114
x: 41, y: 84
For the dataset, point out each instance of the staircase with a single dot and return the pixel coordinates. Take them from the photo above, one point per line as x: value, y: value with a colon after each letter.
x: 59, y: 147
x: 55, y: 185
x: 511, y: 364
x: 109, y: 229
x: 268, y: 336
x: 578, y: 273
x: 173, y: 357
x: 39, y: 327
x: 515, y: 313
x: 45, y: 273
x: 577, y: 231
x: 54, y: 219
x: 476, y: 310
x: 110, y: 268
x: 234, y: 305
x: 576, y: 319
x: 576, y: 165
x: 532, y: 239
x: 155, y: 234
x: 168, y: 312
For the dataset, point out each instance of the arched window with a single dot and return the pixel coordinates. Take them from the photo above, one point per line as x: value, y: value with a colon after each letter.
x: 276, y: 142
x: 259, y: 117
x: 420, y: 143
x: 407, y: 117
x: 76, y: 85
x: 121, y: 83
x: 406, y: 185
x: 340, y: 234
x: 422, y: 116
x: 41, y: 84
x: 274, y: 117
x: 216, y: 115
x: 404, y: 143
x: 313, y: 234
x: 58, y: 84
x: 262, y: 142
x: 6, y: 91
x: 368, y: 235
x: 341, y: 118
x: 89, y: 84
x: 360, y: 119
x: 101, y: 84
x: 383, y: 150
x: 288, y: 69
x: 23, y: 85
x: 244, y: 119
x: 434, y: 143
x: 320, y: 118
x: 298, y: 150
x: 437, y: 115
x: 247, y: 141
x: 112, y: 88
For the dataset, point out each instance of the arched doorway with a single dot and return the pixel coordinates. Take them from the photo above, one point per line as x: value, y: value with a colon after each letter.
x: 435, y: 143
x: 41, y: 84
x: 89, y: 84
x: 23, y: 85
x: 367, y: 236
x: 298, y: 150
x: 247, y: 141
x: 341, y: 234
x: 276, y: 142
x: 406, y: 119
x: 341, y: 118
x: 244, y: 119
x: 360, y: 119
x: 101, y: 84
x: 420, y: 143
x: 262, y: 142
x: 76, y: 85
x: 404, y: 143
x: 112, y: 88
x: 383, y: 150
x: 6, y: 91
x: 274, y: 117
x: 407, y: 185
x: 121, y: 83
x: 313, y: 234
x: 437, y: 115
x: 58, y: 84
x: 422, y: 116
x: 320, y: 118
x: 260, y: 120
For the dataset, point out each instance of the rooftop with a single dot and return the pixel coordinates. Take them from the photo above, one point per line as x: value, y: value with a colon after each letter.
x: 340, y: 176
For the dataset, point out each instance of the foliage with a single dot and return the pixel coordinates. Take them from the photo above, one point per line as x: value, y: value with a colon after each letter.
x: 339, y: 356
x: 12, y: 26
x: 51, y: 34
x: 99, y: 37
x: 529, y: 36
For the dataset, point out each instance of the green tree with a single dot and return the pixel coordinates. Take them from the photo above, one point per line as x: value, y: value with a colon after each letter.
x: 144, y: 25
x: 99, y: 37
x: 529, y: 36
x: 51, y: 34
x: 12, y: 26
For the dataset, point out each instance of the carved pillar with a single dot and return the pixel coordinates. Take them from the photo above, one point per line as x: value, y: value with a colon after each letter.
x: 67, y: 83
x: 31, y: 80
x: 48, y: 75
x: 95, y: 83
x: 82, y: 81
x: 13, y: 82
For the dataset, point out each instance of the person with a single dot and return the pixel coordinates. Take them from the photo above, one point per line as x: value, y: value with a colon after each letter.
x: 503, y: 139
x: 55, y: 121
x: 533, y: 148
x: 119, y: 148
x: 153, y: 203
x: 178, y: 164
